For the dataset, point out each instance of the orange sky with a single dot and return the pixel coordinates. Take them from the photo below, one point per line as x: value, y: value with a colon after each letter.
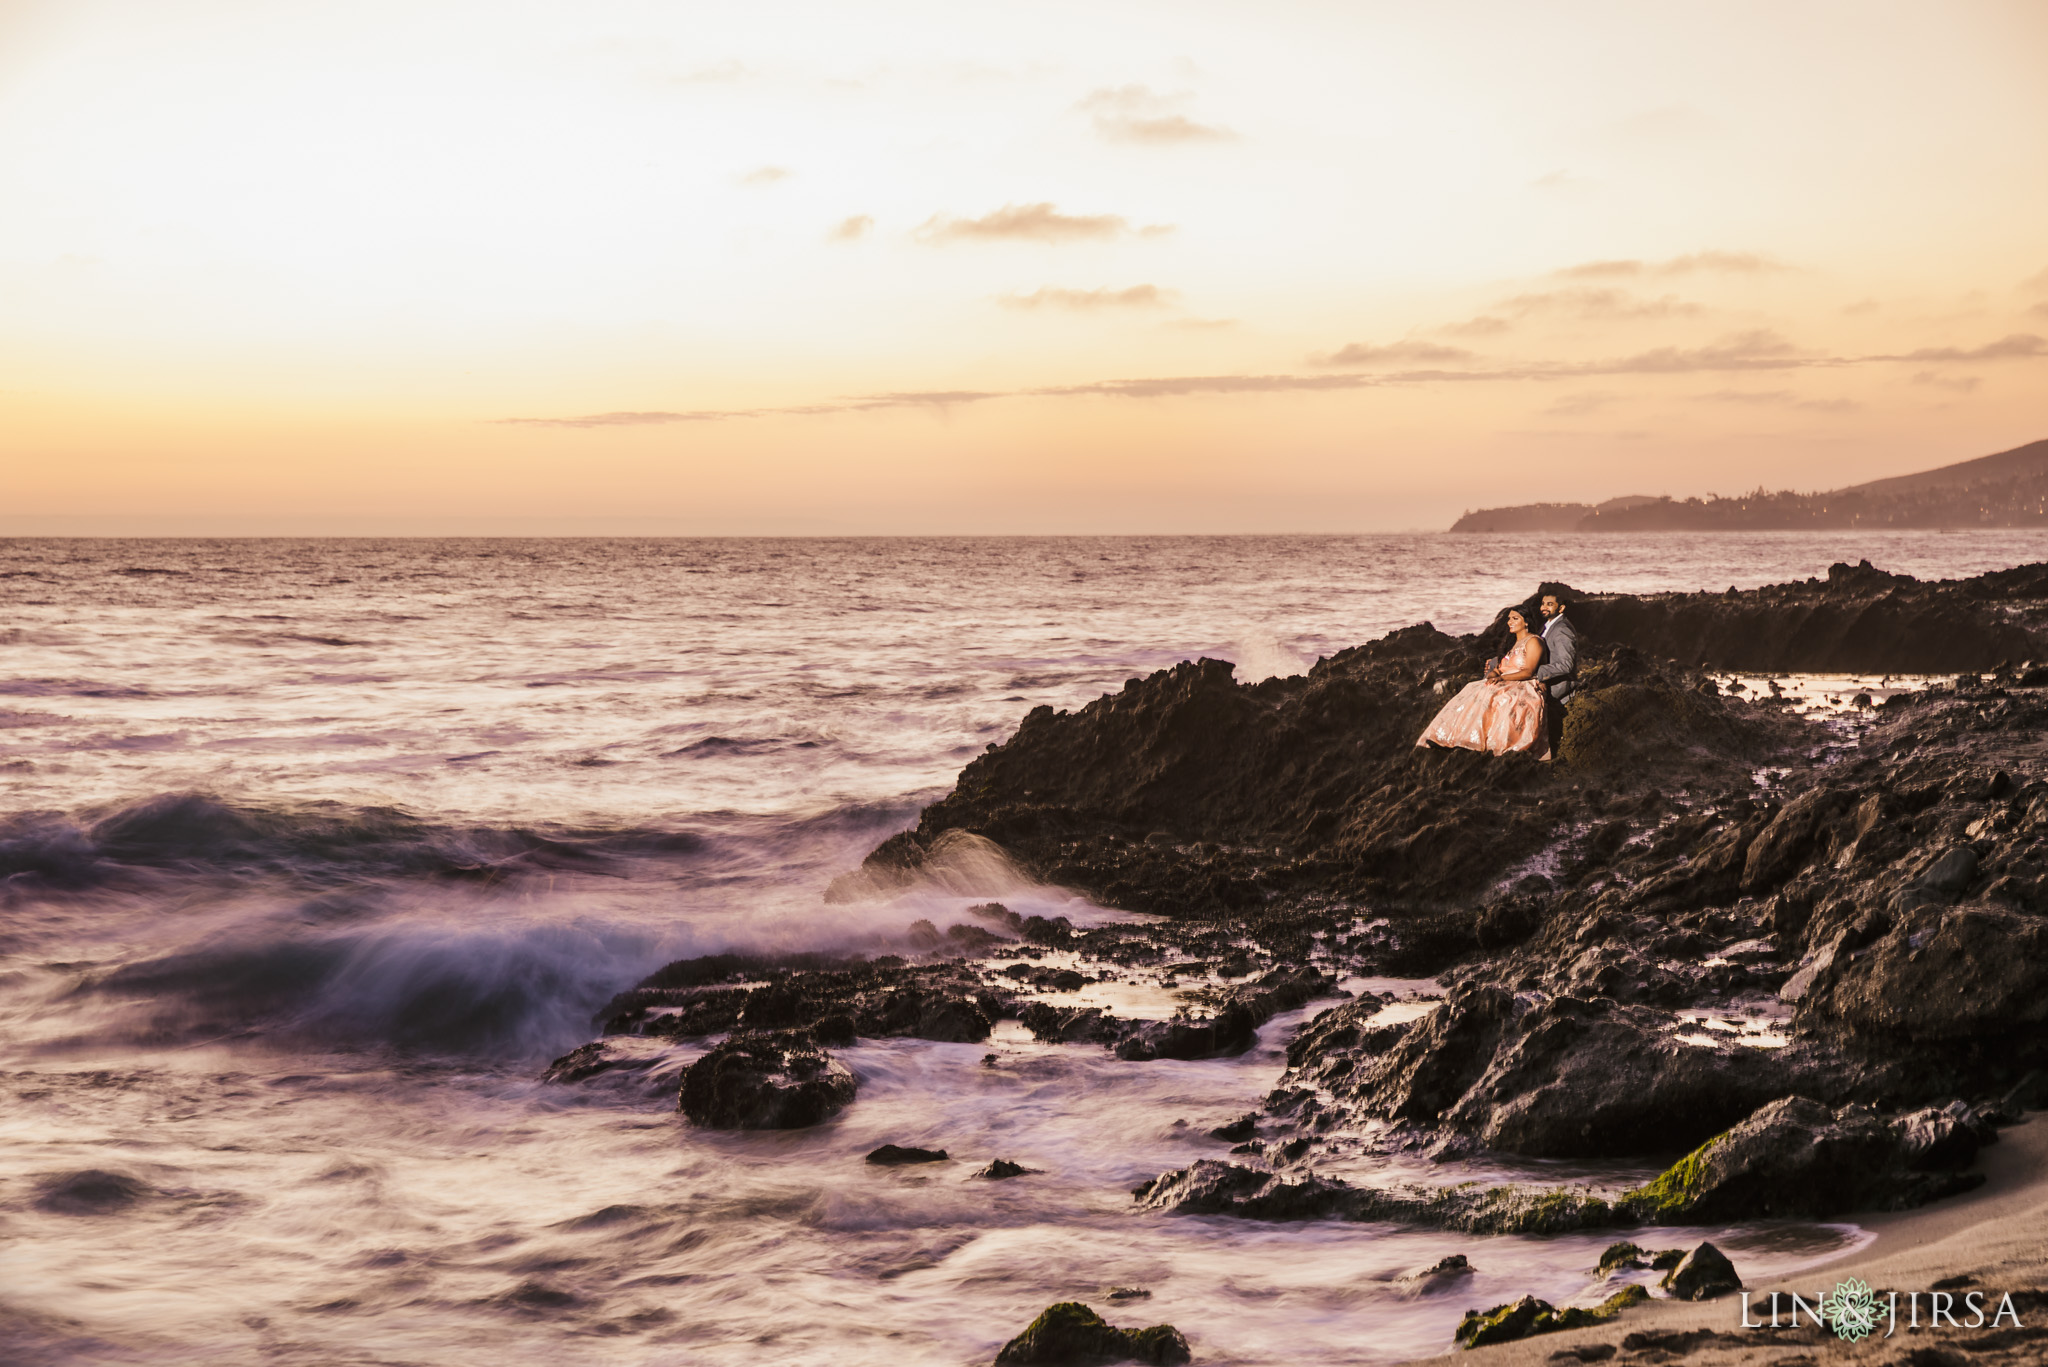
x: 417, y: 267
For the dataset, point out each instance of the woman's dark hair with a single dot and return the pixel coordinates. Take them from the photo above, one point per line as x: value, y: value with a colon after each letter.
x: 1517, y: 610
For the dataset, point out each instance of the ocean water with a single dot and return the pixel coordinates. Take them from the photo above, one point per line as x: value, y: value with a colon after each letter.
x: 313, y: 852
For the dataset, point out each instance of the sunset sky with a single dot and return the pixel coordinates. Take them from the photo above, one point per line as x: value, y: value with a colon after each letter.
x: 899, y: 267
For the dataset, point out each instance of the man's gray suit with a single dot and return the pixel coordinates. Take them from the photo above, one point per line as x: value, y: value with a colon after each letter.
x: 1558, y: 672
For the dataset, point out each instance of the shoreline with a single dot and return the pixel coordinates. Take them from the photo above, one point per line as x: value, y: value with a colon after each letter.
x: 1996, y: 1234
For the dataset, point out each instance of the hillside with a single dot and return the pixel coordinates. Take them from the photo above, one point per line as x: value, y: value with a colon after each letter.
x: 2009, y: 489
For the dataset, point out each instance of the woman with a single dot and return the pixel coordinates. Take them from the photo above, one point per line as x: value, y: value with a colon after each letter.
x: 1503, y: 711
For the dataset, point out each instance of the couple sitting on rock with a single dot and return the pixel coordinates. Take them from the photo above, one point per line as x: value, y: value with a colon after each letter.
x: 1514, y: 706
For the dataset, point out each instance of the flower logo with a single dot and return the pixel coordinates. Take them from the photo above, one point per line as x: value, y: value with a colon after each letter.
x: 1851, y: 1308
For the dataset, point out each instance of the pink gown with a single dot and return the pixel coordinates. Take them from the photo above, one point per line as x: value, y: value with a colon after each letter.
x: 1496, y: 717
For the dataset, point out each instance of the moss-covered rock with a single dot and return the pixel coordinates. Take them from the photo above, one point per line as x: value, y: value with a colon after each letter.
x: 1069, y: 1333
x: 1628, y: 1257
x: 1794, y: 1157
x: 1529, y: 1316
x: 1503, y: 1323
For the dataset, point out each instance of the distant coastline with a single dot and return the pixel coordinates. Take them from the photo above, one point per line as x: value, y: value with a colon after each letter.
x: 2009, y: 489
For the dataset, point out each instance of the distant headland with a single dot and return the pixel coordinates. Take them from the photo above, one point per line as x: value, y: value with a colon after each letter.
x: 2009, y: 489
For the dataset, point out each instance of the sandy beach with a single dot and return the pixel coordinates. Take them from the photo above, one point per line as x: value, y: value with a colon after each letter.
x: 1997, y: 1236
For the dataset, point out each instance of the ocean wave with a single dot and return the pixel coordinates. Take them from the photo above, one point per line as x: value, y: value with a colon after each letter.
x: 316, y: 842
x: 421, y: 985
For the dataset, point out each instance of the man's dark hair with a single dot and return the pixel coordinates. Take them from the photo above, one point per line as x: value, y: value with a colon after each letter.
x: 1563, y: 599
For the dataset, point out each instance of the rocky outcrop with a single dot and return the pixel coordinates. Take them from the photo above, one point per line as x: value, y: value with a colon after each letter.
x: 1792, y: 1158
x: 779, y: 1081
x: 1190, y: 794
x: 836, y: 999
x: 1070, y: 1333
x: 1935, y: 973
x: 1858, y: 619
x: 1232, y: 1029
x: 1796, y: 1157
x: 1702, y: 1275
x: 1544, y: 1077
x: 1210, y: 1187
x: 592, y: 1060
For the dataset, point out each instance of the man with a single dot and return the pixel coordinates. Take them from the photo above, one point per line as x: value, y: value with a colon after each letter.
x: 1559, y: 671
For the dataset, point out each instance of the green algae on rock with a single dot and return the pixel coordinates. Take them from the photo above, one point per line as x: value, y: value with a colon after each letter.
x: 1529, y: 1316
x: 1069, y: 1333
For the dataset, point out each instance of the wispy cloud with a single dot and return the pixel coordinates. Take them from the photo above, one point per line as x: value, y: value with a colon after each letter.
x: 1778, y: 398
x: 2019, y: 346
x: 1753, y: 398
x: 1178, y: 385
x: 1134, y: 113
x: 1960, y: 384
x: 1485, y: 325
x: 1030, y: 223
x: 2036, y: 284
x: 2039, y: 310
x: 1754, y: 351
x: 1091, y: 301
x: 915, y: 398
x: 851, y: 229
x: 1605, y: 305
x: 924, y: 398
x: 764, y: 175
x: 1360, y: 355
x: 1729, y: 263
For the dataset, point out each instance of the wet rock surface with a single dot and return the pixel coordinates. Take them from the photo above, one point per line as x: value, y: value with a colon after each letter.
x: 1529, y: 1316
x: 897, y: 1156
x: 840, y: 998
x: 779, y: 1081
x: 1702, y: 1275
x: 1212, y: 1187
x: 1070, y: 1333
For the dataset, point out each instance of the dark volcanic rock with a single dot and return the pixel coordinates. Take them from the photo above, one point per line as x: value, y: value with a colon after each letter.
x: 836, y: 999
x: 1702, y: 1275
x: 1212, y: 1188
x: 895, y: 1156
x: 1003, y: 1168
x: 765, y: 1082
x: 1234, y: 1027
x: 1859, y: 620
x: 589, y: 1061
x: 1529, y: 1316
x: 1940, y: 1139
x: 94, y: 1191
x: 1304, y: 784
x: 1962, y: 973
x: 1795, y: 1157
x: 1069, y: 1333
x: 1190, y: 794
x: 1561, y: 1077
